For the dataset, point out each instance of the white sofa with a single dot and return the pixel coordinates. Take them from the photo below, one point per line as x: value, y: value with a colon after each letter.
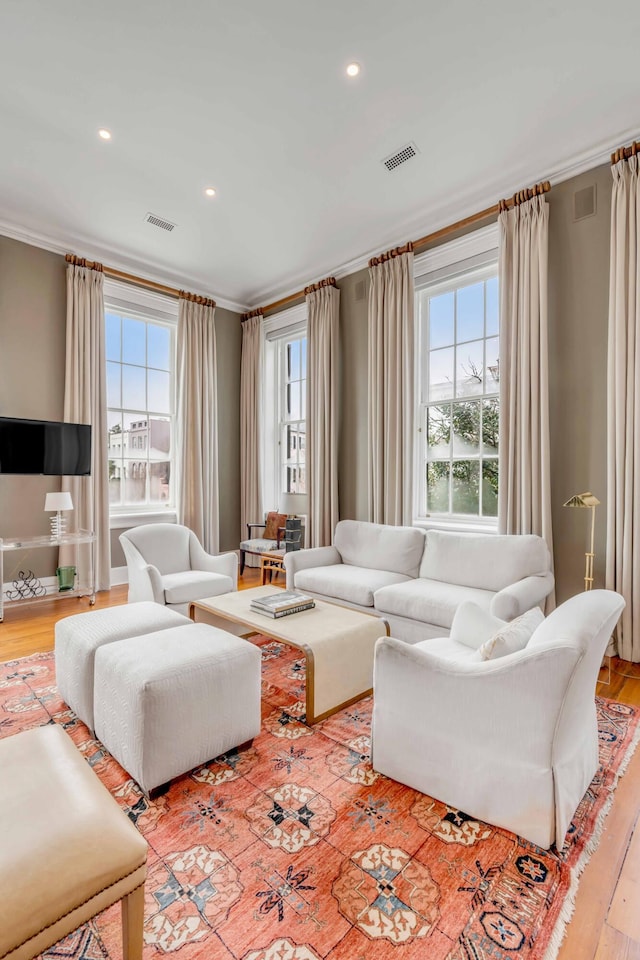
x: 512, y: 741
x: 416, y: 579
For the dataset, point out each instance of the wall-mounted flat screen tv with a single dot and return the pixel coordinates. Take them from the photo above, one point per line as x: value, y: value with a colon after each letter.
x: 44, y: 447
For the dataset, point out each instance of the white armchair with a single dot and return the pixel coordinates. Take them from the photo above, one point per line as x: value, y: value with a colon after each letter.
x: 166, y: 563
x: 512, y: 741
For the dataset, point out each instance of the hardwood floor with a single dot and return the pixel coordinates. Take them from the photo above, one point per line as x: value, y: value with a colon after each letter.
x: 606, y: 923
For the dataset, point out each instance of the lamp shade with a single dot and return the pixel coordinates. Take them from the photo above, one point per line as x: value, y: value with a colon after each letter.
x: 293, y: 504
x: 58, y: 501
x: 586, y: 499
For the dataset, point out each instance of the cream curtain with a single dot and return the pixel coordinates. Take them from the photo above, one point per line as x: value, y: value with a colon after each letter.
x: 524, y: 499
x: 85, y: 401
x: 623, y: 406
x: 251, y: 510
x: 391, y: 387
x: 323, y: 340
x: 197, y: 420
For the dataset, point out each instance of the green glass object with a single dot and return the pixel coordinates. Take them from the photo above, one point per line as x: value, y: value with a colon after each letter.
x: 66, y: 578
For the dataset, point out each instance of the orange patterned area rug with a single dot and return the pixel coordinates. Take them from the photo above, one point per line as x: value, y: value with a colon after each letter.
x: 295, y: 849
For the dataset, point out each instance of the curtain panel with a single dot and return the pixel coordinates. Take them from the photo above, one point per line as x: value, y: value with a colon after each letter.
x: 251, y: 510
x: 391, y: 388
x: 85, y: 401
x: 323, y: 347
x: 197, y: 421
x: 524, y: 498
x: 623, y: 404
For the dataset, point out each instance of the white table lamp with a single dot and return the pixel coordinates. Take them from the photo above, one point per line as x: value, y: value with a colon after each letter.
x: 58, y: 502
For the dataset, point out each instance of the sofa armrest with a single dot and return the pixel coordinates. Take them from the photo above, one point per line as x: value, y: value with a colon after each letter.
x: 521, y: 596
x: 225, y: 564
x: 418, y: 694
x: 305, y: 559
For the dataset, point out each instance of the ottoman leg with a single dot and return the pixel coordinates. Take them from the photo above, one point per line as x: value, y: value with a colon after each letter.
x: 132, y: 924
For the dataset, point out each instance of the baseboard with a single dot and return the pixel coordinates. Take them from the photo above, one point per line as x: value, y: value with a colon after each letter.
x: 119, y: 575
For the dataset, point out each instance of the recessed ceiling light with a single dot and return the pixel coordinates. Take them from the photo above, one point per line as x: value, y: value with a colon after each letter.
x: 210, y: 192
x: 353, y: 69
x: 104, y: 134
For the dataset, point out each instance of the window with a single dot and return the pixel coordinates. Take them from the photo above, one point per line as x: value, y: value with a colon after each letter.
x: 140, y: 356
x: 458, y: 392
x: 285, y: 403
x: 293, y: 405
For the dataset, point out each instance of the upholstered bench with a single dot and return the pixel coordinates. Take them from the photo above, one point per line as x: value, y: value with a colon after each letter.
x: 169, y: 701
x: 78, y: 637
x: 67, y: 851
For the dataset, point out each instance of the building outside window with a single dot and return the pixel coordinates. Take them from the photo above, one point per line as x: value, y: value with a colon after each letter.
x: 458, y: 392
x: 140, y: 355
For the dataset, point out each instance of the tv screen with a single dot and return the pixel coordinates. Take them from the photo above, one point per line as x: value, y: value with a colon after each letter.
x: 44, y: 447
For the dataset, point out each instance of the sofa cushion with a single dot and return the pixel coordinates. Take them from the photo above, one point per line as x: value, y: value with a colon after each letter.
x: 449, y: 649
x: 194, y: 585
x: 513, y: 636
x: 378, y: 546
x: 428, y: 600
x: 485, y: 561
x: 344, y: 582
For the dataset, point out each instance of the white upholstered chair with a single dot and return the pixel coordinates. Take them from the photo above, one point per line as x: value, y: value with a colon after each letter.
x: 166, y: 563
x: 512, y: 741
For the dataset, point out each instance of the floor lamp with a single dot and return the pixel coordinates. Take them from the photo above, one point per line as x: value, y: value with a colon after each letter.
x: 587, y: 500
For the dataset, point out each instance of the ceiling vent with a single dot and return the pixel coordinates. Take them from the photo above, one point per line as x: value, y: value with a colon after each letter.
x: 400, y: 156
x: 159, y: 222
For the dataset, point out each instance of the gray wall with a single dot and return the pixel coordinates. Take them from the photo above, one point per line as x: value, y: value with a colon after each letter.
x: 32, y: 356
x: 578, y: 293
x: 32, y: 350
x: 578, y: 314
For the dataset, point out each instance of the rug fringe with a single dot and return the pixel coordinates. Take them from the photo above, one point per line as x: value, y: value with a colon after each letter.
x: 569, y: 905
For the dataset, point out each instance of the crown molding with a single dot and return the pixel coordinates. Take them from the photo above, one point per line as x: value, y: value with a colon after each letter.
x: 450, y: 213
x: 91, y: 251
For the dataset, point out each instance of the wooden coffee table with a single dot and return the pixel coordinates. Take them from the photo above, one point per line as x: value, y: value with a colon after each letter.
x: 338, y: 644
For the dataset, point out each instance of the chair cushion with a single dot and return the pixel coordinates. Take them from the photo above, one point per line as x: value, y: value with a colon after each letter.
x: 474, y: 626
x: 429, y: 600
x: 513, y: 636
x: 449, y: 649
x: 485, y: 561
x: 194, y: 585
x: 258, y: 545
x: 378, y: 546
x: 274, y: 522
x: 346, y: 582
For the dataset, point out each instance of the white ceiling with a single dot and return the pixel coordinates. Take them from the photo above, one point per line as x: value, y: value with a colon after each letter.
x: 252, y: 98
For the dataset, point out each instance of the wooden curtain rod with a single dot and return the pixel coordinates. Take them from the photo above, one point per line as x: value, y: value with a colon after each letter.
x: 138, y: 281
x: 623, y: 153
x: 515, y: 200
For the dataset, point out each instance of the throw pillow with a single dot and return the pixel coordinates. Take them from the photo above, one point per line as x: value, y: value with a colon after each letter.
x: 513, y: 636
x: 473, y: 626
x: 275, y: 520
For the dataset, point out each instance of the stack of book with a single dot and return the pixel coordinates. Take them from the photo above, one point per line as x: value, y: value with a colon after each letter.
x: 282, y: 603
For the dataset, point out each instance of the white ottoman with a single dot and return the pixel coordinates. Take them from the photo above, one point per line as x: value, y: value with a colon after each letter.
x: 175, y: 699
x: 78, y: 638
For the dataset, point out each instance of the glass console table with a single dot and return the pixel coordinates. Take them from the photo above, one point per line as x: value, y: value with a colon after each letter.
x: 83, y: 582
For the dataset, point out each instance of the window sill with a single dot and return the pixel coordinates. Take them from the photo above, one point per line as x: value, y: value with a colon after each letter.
x: 124, y: 521
x: 454, y: 525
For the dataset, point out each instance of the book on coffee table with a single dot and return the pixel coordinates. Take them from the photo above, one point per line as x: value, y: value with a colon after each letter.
x: 282, y: 603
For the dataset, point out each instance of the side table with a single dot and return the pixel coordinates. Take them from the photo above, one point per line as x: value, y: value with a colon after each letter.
x: 270, y: 563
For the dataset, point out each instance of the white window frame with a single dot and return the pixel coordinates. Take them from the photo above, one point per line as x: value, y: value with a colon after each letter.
x: 287, y: 325
x: 139, y: 304
x: 474, y: 256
